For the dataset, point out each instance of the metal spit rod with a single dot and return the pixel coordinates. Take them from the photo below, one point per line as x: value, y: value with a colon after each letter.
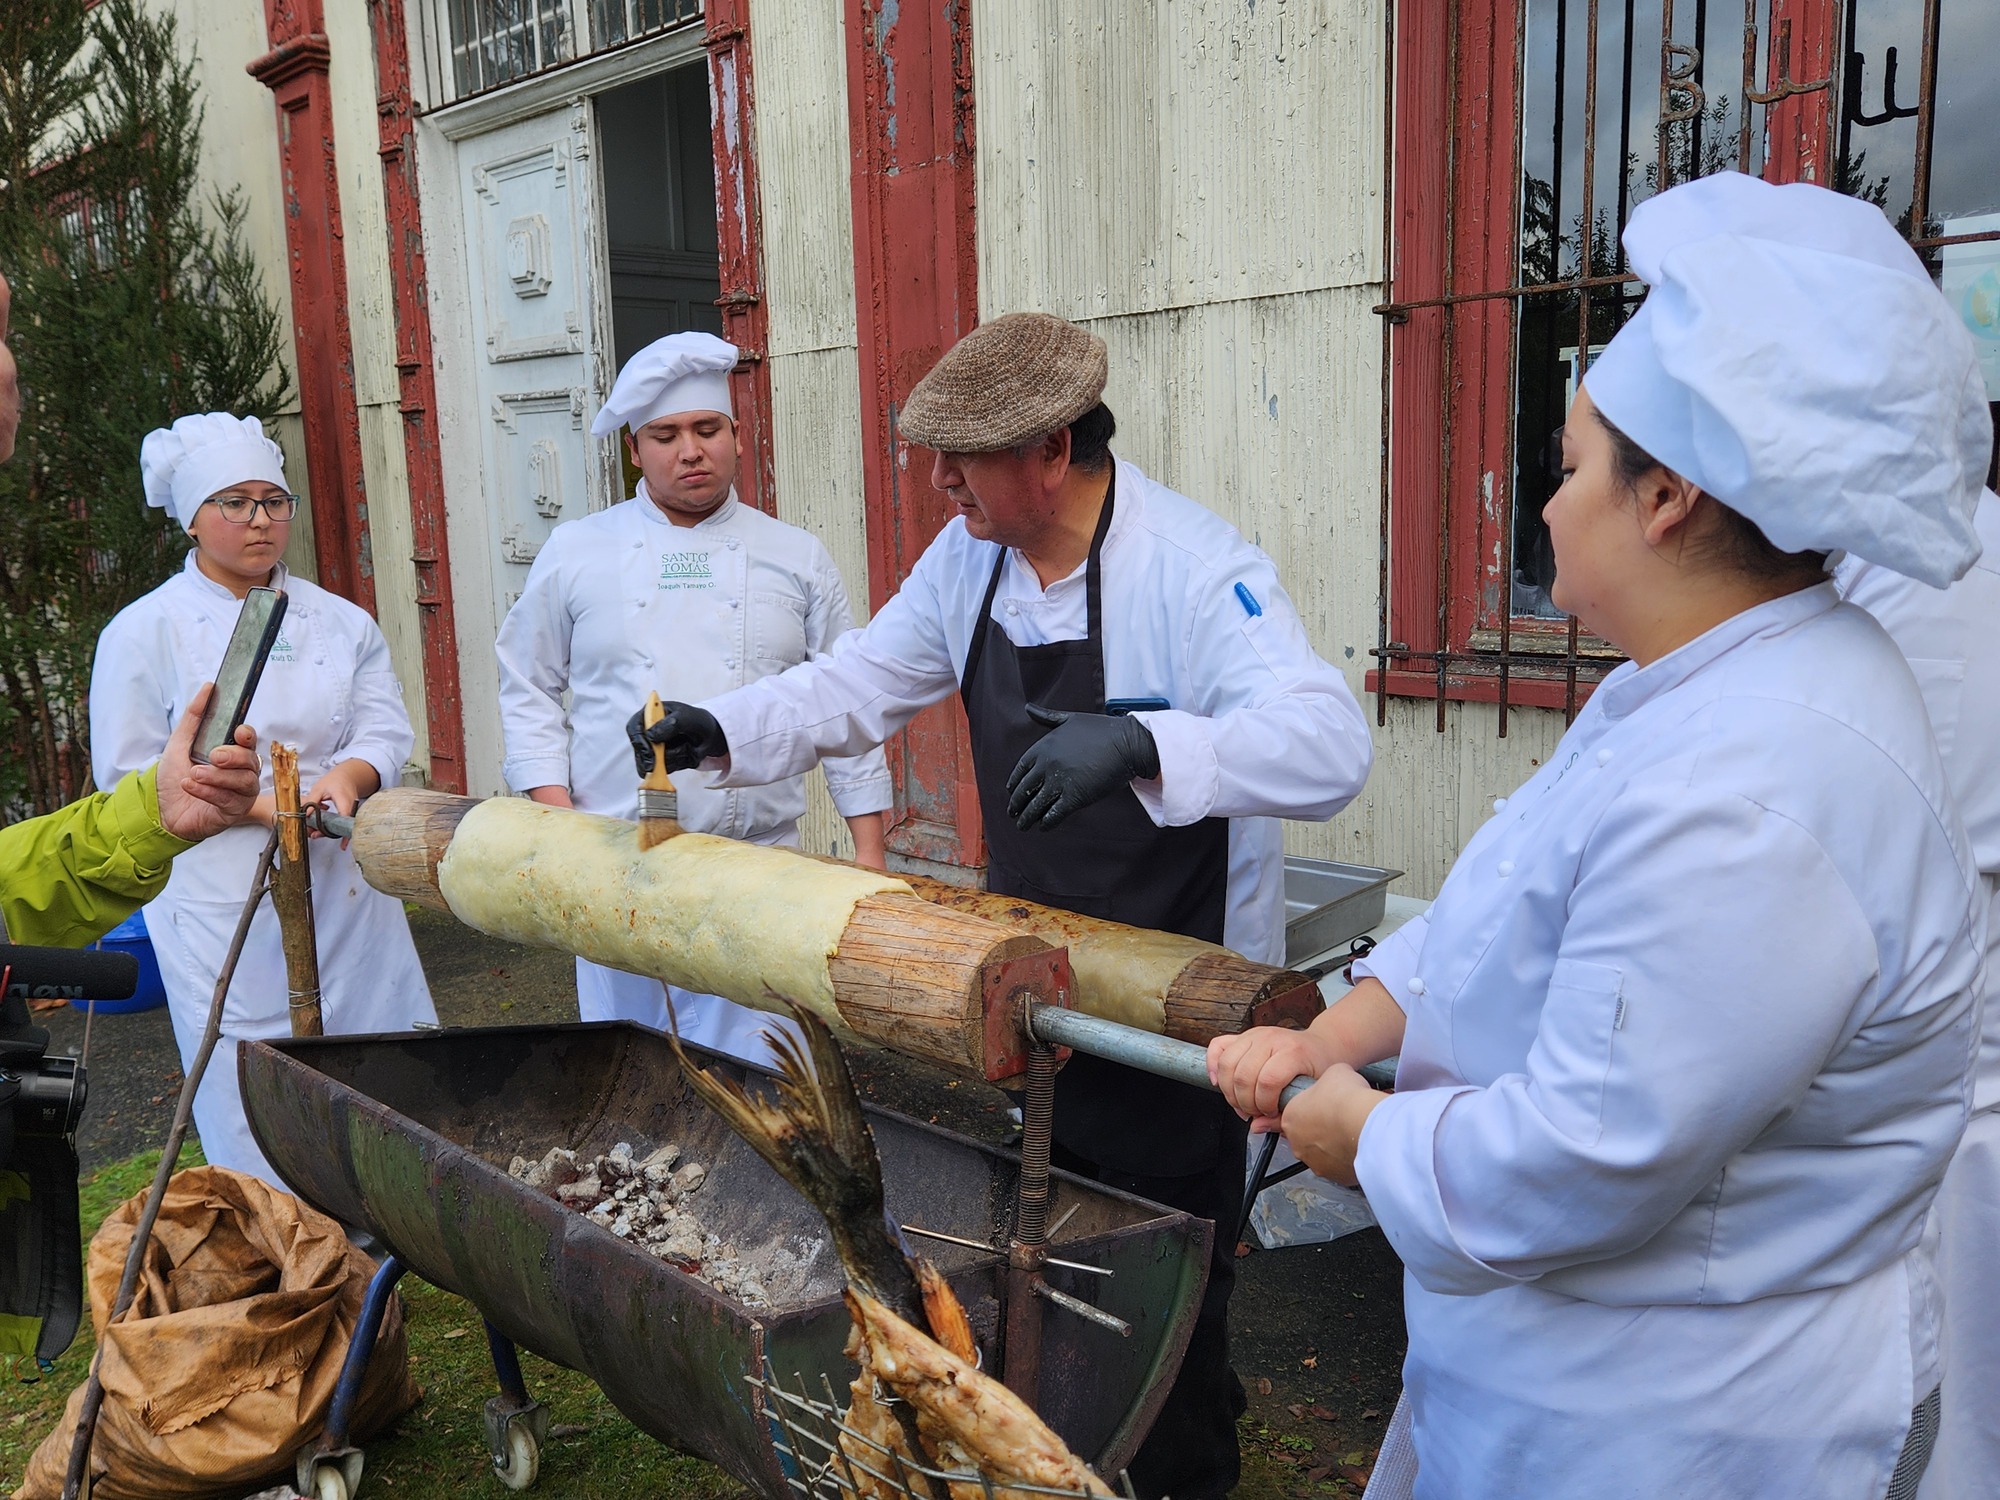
x: 331, y: 824
x: 1183, y: 1062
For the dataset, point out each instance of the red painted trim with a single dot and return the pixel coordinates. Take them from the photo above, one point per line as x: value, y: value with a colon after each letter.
x: 436, y: 623
x: 916, y: 269
x: 1484, y: 687
x: 746, y: 321
x: 1799, y: 130
x: 1451, y: 471
x: 295, y: 70
x: 1454, y: 202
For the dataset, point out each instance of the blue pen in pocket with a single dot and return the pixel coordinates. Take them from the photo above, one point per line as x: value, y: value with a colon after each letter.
x: 1248, y: 600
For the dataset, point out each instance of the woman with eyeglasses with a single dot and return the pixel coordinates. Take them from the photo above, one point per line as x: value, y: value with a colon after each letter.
x: 328, y: 690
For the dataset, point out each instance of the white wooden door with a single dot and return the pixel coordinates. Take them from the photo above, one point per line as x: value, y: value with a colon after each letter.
x: 532, y: 233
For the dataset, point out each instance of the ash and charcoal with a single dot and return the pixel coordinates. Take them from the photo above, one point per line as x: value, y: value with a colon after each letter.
x: 647, y: 1201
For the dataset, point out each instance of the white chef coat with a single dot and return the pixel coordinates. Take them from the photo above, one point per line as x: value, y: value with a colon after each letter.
x: 625, y: 603
x: 1952, y: 639
x: 1259, y: 727
x: 1689, y: 1028
x: 330, y: 692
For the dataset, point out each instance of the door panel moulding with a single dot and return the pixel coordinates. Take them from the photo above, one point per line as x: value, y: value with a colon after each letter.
x: 909, y: 92
x: 296, y: 72
x: 410, y: 289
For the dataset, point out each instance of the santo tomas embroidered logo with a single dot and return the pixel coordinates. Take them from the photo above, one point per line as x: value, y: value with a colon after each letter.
x: 281, y: 648
x: 686, y: 570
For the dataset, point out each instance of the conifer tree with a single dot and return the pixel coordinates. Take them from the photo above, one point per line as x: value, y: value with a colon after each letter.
x: 135, y: 301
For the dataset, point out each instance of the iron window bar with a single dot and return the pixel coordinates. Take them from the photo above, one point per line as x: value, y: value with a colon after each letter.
x: 473, y: 47
x: 1536, y: 648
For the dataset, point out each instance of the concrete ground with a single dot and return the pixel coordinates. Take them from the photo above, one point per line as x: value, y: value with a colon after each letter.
x: 1318, y: 1329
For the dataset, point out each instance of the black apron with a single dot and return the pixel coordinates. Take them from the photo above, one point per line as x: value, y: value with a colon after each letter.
x: 1170, y: 1142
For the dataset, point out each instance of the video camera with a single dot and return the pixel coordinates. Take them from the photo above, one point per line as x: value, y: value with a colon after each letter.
x: 41, y: 1104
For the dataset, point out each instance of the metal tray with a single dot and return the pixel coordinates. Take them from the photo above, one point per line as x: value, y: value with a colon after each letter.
x: 1328, y: 904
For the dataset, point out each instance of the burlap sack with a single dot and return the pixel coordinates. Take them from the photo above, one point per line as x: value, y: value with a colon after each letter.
x: 225, y: 1365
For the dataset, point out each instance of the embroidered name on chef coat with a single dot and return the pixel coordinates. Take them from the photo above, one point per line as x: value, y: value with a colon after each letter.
x: 281, y: 648
x: 686, y: 570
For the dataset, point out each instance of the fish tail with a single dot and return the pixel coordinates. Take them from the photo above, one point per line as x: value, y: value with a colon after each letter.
x: 816, y: 1137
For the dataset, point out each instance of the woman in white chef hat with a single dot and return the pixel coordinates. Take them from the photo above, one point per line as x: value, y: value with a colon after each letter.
x: 1686, y: 1035
x: 328, y: 690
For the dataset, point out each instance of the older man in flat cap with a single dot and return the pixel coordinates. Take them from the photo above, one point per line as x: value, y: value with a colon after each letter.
x: 685, y: 591
x: 1144, y: 708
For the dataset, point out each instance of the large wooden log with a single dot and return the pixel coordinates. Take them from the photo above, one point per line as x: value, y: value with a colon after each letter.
x: 1157, y: 981
x: 711, y: 915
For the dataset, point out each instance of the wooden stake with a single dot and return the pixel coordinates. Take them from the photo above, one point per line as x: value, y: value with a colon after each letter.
x: 291, y: 894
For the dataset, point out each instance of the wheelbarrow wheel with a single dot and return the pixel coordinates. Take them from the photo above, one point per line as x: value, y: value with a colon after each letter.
x: 524, y: 1459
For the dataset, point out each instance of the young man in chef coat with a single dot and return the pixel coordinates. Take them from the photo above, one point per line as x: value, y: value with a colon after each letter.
x: 1144, y: 707
x: 686, y: 591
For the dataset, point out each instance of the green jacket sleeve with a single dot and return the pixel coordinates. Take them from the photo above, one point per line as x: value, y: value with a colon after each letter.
x: 69, y: 878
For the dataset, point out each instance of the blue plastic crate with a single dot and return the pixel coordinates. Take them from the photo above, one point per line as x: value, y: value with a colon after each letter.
x: 130, y: 936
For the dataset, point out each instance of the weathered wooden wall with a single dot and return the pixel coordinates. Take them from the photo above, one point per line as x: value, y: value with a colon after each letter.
x: 1201, y: 184
x: 377, y: 389
x: 808, y: 235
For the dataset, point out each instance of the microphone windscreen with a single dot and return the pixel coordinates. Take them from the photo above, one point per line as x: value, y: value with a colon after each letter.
x: 68, y: 973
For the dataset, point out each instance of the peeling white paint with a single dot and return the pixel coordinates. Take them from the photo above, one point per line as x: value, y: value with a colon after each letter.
x: 1200, y: 184
x: 804, y: 188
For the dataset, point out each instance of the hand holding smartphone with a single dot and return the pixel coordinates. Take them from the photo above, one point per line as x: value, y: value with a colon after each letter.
x: 242, y: 665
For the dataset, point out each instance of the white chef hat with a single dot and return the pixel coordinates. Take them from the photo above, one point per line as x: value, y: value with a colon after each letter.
x: 681, y: 372
x: 184, y: 464
x: 1793, y: 358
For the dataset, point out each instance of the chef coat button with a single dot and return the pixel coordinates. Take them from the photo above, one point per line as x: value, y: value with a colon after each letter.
x: 1604, y: 757
x: 731, y: 544
x: 1506, y: 868
x: 1012, y: 608
x: 1416, y: 985
x: 1499, y: 804
x: 735, y: 603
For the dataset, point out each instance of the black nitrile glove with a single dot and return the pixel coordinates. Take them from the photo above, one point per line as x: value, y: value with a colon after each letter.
x: 690, y: 734
x: 1083, y: 757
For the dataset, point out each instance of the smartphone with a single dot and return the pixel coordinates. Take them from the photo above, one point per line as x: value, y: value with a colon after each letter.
x: 242, y: 665
x: 1118, y: 707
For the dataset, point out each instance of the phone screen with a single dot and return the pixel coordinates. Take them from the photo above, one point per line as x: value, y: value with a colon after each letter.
x: 242, y: 665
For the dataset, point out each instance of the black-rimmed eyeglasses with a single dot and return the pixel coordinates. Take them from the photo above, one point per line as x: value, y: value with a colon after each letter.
x: 238, y: 509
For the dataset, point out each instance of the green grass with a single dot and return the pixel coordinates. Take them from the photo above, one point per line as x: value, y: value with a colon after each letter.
x: 439, y: 1448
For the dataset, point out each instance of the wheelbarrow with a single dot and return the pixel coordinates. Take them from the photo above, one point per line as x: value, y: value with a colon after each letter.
x: 409, y: 1136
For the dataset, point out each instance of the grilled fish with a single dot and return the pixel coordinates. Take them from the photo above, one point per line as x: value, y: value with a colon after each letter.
x: 920, y: 1398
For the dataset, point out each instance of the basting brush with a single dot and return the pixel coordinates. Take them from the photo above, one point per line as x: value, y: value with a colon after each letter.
x: 659, y: 808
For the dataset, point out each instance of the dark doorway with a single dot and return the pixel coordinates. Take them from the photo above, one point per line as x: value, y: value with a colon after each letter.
x: 659, y: 209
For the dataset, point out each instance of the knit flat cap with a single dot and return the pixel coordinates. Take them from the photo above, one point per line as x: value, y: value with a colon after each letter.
x: 1019, y: 377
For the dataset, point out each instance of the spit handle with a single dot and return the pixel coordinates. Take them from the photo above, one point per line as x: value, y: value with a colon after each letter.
x: 330, y: 824
x: 1184, y: 1062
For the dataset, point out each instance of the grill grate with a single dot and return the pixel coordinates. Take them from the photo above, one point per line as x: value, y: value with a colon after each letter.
x: 810, y: 1429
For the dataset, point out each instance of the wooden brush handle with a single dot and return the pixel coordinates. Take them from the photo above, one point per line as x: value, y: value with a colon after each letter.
x: 657, y: 777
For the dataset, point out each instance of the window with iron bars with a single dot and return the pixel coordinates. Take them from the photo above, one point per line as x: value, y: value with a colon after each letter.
x: 473, y: 46
x: 1521, y: 134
